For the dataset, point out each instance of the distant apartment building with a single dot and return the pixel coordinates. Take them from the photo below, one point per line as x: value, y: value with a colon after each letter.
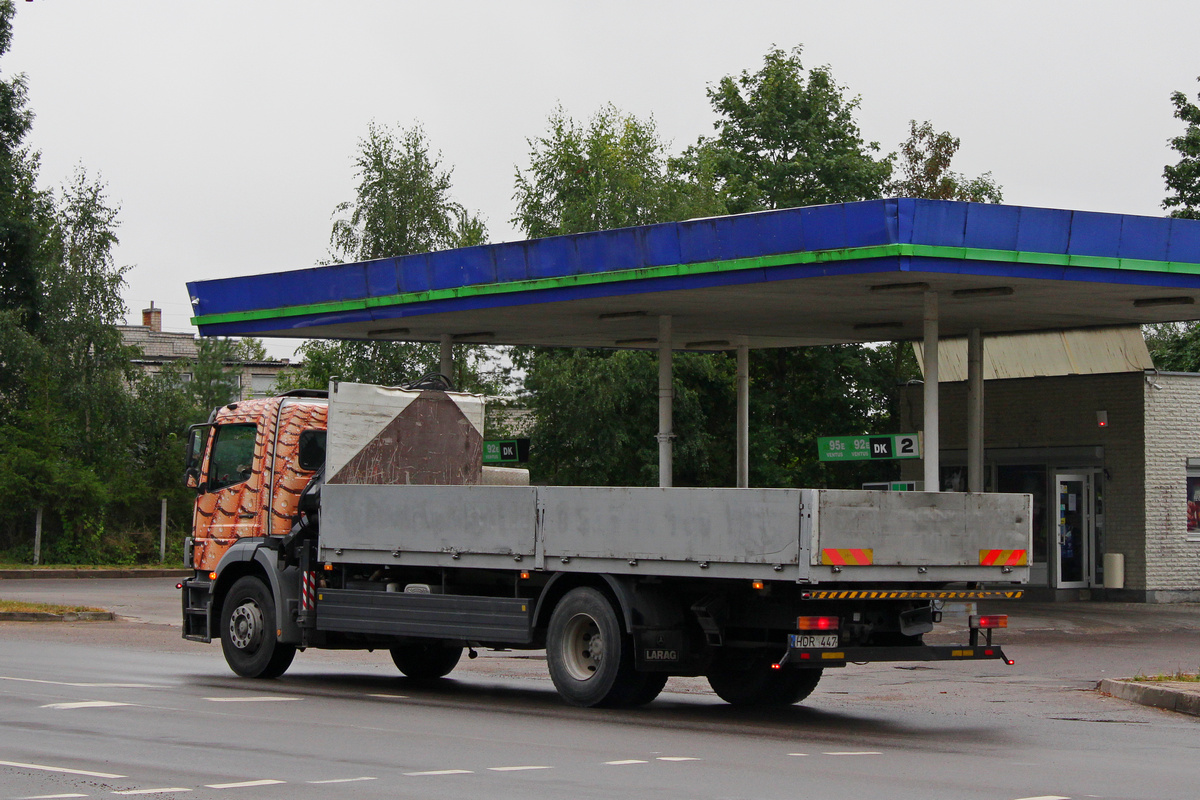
x: 159, y: 348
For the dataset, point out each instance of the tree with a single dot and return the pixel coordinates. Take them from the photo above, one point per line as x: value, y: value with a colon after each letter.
x: 24, y: 211
x: 402, y: 206
x: 1183, y: 179
x: 612, y: 173
x: 789, y: 138
x: 925, y: 166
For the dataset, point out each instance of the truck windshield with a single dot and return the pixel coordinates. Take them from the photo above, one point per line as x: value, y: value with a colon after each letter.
x: 232, y: 456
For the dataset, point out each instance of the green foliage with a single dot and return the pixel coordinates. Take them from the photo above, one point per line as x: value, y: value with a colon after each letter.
x: 1183, y: 179
x: 786, y: 138
x: 925, y: 166
x: 612, y: 173
x: 24, y: 211
x: 403, y: 202
x: 392, y: 364
x: 213, y: 384
x: 1174, y: 346
x: 597, y: 415
x: 403, y: 206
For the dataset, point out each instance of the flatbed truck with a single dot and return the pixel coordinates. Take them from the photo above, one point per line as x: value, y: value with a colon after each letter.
x: 363, y: 518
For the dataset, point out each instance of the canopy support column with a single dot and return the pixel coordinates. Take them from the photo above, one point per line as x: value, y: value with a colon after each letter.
x: 447, y: 357
x: 931, y: 449
x: 743, y: 416
x: 666, y: 397
x: 975, y: 411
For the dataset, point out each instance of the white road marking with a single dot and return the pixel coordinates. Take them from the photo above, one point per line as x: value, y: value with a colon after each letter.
x: 344, y: 780
x: 440, y: 772
x: 626, y: 761
x: 797, y: 754
x: 855, y: 753
x: 677, y: 758
x: 154, y: 791
x: 1045, y: 797
x: 86, y: 686
x: 514, y: 769
x: 271, y: 698
x: 85, y: 704
x: 63, y: 770
x: 50, y: 796
x: 242, y: 784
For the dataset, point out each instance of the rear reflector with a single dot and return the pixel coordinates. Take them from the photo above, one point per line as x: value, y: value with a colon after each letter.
x: 818, y: 623
x: 989, y: 621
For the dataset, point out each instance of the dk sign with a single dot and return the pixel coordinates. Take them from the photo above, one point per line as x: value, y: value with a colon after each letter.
x: 865, y: 448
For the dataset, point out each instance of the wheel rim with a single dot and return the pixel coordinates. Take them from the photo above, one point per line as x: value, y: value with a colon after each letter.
x: 246, y: 626
x: 582, y: 647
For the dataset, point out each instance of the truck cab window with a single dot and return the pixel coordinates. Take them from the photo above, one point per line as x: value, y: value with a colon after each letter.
x: 312, y: 449
x: 232, y: 456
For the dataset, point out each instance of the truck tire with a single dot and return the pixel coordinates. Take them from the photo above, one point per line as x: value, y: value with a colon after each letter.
x: 759, y: 685
x: 590, y: 657
x: 248, y: 631
x: 426, y: 659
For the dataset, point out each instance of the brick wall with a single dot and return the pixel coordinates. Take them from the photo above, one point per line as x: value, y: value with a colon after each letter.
x: 1172, y: 437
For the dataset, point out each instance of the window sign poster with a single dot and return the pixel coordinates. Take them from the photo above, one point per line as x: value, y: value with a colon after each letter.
x: 1193, y: 501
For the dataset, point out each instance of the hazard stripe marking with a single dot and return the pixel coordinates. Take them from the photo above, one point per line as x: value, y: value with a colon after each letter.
x: 863, y: 594
x: 1003, y: 558
x: 847, y: 556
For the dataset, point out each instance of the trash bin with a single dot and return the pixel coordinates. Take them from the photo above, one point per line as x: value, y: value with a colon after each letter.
x: 1114, y: 571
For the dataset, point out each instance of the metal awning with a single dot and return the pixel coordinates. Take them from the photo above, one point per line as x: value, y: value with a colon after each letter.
x: 818, y: 275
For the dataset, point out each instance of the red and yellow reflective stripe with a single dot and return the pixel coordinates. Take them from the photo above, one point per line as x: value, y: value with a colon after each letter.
x: 847, y: 556
x: 1004, y: 558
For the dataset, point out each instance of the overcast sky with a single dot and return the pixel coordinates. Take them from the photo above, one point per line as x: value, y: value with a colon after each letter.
x: 227, y: 131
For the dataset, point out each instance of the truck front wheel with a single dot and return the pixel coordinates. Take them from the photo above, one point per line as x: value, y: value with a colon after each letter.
x: 757, y: 684
x: 426, y: 659
x: 590, y: 656
x: 248, y: 631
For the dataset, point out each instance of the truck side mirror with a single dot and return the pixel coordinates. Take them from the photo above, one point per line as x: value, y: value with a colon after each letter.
x: 194, y: 455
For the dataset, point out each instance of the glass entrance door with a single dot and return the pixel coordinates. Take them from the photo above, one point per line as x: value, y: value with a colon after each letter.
x: 1075, y: 529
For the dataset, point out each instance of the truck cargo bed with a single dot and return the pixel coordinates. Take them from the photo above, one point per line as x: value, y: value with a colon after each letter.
x: 805, y: 535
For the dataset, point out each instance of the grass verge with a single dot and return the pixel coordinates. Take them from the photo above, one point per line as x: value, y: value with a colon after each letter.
x: 1179, y: 676
x: 20, y: 606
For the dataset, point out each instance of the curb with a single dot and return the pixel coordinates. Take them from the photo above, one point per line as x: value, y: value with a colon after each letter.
x: 45, y: 616
x: 56, y: 574
x: 1155, y: 695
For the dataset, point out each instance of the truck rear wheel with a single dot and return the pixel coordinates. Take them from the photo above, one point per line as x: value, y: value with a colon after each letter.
x: 590, y: 656
x: 248, y: 631
x: 757, y: 684
x: 426, y: 659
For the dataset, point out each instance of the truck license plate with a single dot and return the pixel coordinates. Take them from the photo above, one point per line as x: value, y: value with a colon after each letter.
x: 804, y: 640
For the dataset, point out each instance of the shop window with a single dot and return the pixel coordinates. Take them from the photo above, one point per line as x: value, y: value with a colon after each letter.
x: 1029, y: 479
x: 1193, y: 500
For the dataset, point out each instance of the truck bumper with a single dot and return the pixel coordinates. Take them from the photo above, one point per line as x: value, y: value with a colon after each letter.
x: 813, y: 657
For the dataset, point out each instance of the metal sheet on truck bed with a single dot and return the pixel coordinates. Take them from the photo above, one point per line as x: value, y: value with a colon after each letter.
x: 914, y: 537
x: 945, y: 535
x: 760, y: 526
x: 370, y: 523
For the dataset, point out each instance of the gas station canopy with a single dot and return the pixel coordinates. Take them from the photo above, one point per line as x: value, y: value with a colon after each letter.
x: 851, y: 272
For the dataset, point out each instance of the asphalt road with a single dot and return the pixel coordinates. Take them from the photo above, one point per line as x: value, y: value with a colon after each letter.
x: 129, y: 709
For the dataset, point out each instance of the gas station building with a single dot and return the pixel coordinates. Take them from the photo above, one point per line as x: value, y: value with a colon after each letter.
x: 1036, y: 378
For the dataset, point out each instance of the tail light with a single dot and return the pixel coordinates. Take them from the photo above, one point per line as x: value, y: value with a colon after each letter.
x: 989, y: 621
x: 818, y: 623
